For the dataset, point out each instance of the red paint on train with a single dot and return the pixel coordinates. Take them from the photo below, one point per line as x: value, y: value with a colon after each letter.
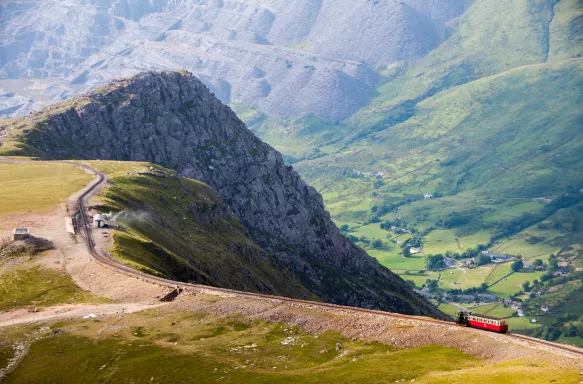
x: 475, y: 320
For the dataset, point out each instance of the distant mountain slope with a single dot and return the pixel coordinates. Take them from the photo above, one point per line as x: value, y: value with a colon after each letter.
x: 501, y: 136
x: 495, y: 110
x: 258, y: 52
x: 172, y: 119
x: 489, y: 38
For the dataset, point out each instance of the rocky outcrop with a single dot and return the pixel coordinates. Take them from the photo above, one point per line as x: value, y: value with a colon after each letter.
x: 172, y: 119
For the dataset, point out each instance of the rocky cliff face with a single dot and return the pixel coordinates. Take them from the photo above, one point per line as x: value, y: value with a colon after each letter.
x: 172, y: 119
x: 285, y: 57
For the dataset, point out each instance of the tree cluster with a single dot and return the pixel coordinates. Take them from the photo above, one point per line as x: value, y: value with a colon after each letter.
x: 470, y: 291
x: 566, y: 325
x: 435, y: 262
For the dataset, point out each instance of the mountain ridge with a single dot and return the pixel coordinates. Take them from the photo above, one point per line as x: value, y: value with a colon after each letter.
x: 171, y: 119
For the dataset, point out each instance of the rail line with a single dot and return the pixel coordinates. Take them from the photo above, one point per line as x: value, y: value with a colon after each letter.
x: 84, y: 229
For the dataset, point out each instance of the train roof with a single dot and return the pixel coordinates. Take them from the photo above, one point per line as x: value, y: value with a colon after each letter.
x: 486, y: 316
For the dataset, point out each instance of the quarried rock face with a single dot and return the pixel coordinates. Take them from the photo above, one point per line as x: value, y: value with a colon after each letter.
x: 255, y: 52
x: 171, y: 118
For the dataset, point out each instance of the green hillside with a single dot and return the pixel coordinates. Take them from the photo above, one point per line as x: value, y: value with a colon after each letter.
x: 179, y: 228
x: 167, y: 345
x: 489, y: 124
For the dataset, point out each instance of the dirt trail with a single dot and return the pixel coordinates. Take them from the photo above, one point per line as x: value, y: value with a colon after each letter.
x: 70, y: 311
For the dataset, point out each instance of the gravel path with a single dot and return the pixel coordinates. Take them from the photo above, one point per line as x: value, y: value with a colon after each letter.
x: 70, y: 311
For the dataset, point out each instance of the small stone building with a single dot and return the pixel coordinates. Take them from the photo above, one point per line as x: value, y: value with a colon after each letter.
x: 21, y: 233
x: 98, y: 221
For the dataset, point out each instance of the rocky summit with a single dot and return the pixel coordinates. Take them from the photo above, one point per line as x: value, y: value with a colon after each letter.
x: 172, y: 119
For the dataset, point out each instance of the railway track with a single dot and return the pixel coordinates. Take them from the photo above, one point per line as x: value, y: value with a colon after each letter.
x: 84, y: 229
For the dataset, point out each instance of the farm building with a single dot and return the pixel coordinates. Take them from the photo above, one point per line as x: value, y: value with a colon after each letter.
x: 497, y: 257
x: 468, y: 262
x: 487, y: 297
x: 449, y: 262
x: 21, y: 233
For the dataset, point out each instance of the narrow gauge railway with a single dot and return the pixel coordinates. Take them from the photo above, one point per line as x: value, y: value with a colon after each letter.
x: 85, y: 231
x: 475, y: 320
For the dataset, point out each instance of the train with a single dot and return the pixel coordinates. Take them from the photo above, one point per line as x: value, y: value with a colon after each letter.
x: 475, y: 320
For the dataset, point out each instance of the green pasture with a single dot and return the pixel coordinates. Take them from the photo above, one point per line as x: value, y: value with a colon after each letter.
x: 38, y: 186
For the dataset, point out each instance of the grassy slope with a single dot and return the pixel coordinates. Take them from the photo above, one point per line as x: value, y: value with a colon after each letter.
x: 177, y: 227
x: 40, y: 287
x: 202, y: 348
x: 491, y: 118
x: 38, y: 186
x: 458, y: 142
x: 297, y: 138
x: 566, y: 38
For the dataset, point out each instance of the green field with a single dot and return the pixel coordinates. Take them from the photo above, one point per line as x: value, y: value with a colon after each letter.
x: 518, y: 246
x: 496, y: 309
x: 465, y: 278
x: 38, y: 186
x: 512, y: 284
x: 40, y: 287
x: 521, y: 324
x: 440, y: 241
x: 448, y: 309
x: 419, y: 279
x: 397, y: 261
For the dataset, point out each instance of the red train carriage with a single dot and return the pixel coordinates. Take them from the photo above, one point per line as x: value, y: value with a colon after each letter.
x: 475, y: 320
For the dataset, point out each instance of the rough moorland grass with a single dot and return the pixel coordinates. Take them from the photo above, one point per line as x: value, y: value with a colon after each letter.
x: 38, y: 186
x: 195, y: 347
x: 6, y: 353
x: 158, y: 346
x: 82, y: 360
x: 40, y: 287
